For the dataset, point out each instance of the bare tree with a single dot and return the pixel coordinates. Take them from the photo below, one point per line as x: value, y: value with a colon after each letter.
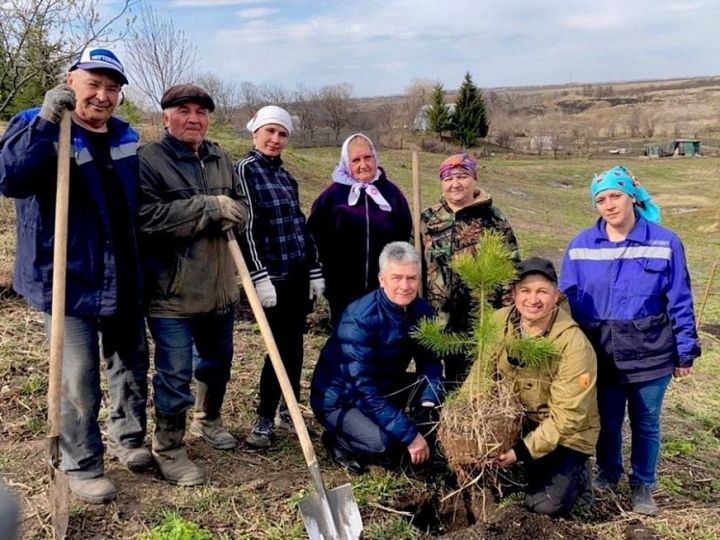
x: 159, y: 55
x: 647, y: 124
x: 252, y: 97
x: 417, y: 95
x: 224, y: 94
x: 633, y: 122
x: 60, y: 28
x: 274, y: 94
x: 503, y: 129
x: 384, y: 116
x: 510, y: 101
x: 306, y: 105
x: 335, y: 103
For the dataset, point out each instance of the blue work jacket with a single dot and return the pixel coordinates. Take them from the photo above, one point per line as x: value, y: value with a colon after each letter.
x: 633, y: 299
x: 28, y: 173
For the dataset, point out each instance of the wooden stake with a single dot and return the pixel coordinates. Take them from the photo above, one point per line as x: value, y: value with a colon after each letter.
x: 417, y: 202
x: 705, y: 297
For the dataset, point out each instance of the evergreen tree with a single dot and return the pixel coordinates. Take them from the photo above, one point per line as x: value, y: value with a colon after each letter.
x: 469, y: 117
x: 40, y: 54
x: 438, y: 114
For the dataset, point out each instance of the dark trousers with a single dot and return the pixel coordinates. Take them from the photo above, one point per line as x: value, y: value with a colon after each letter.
x: 357, y: 433
x: 555, y: 481
x: 457, y: 367
x: 287, y: 322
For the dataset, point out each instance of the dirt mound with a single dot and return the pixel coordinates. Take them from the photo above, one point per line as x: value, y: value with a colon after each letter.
x: 516, y: 522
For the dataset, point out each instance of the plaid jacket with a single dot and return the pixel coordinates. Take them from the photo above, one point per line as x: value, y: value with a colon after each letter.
x: 276, y: 242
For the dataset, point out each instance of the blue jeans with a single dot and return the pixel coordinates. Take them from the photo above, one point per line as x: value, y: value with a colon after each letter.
x: 124, y: 348
x: 644, y: 404
x: 210, y: 336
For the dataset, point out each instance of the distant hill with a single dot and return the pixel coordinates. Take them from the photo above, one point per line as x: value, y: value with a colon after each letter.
x: 592, y: 118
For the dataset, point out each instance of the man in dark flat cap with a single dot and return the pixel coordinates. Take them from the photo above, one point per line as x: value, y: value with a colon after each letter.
x: 188, y: 202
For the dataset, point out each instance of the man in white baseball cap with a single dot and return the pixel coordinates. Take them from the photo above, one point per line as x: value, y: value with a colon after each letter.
x: 104, y: 319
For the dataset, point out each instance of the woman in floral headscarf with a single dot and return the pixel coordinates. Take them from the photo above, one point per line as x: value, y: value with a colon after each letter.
x: 628, y: 286
x: 452, y: 226
x: 352, y: 220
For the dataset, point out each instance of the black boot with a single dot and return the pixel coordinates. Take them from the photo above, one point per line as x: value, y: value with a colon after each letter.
x: 341, y: 457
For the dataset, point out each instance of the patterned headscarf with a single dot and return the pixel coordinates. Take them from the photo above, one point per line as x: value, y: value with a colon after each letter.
x: 342, y: 175
x: 621, y: 179
x: 458, y: 162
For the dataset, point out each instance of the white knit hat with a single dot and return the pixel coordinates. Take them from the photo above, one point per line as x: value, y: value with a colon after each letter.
x: 270, y: 114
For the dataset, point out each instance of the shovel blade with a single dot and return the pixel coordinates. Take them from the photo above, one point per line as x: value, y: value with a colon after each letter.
x: 59, y: 491
x: 345, y: 514
x: 59, y: 503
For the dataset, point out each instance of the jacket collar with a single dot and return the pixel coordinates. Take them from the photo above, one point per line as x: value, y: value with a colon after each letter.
x: 391, y: 307
x: 559, y: 321
x: 482, y: 200
x: 268, y: 161
x: 181, y: 151
x: 639, y: 232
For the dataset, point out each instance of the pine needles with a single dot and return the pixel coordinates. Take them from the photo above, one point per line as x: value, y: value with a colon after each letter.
x: 483, y: 418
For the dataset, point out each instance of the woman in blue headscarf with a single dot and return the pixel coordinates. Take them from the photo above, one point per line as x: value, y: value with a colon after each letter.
x: 629, y: 289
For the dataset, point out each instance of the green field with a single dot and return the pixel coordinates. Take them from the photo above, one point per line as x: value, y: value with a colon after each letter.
x: 254, y: 495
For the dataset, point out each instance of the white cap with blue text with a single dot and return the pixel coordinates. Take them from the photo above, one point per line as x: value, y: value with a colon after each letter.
x: 100, y: 58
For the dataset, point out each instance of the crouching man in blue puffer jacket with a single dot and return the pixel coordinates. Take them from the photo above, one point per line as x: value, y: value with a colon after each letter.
x: 360, y: 386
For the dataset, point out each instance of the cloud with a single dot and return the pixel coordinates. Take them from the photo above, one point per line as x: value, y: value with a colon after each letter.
x: 213, y: 3
x: 382, y: 47
x: 255, y: 13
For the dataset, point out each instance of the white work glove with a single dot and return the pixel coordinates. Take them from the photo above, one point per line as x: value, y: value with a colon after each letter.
x: 57, y: 101
x: 317, y: 287
x: 266, y: 291
x: 230, y: 209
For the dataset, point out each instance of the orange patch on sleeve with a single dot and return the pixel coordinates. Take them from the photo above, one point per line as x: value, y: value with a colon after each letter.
x: 584, y: 380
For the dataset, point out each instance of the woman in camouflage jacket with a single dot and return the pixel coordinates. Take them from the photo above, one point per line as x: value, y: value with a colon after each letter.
x: 452, y: 226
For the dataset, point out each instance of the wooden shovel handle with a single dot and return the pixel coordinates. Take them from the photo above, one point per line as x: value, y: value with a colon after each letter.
x: 417, y: 203
x: 277, y: 364
x: 57, y: 327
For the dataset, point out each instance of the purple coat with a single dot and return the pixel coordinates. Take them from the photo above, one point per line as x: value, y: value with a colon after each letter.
x: 349, y: 239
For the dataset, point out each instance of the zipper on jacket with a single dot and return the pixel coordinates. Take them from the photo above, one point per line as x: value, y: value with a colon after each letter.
x: 202, y: 175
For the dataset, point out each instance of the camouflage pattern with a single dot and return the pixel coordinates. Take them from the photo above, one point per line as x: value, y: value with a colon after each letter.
x: 446, y: 233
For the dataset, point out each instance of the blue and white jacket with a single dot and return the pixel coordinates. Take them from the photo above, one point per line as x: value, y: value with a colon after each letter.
x: 365, y: 360
x: 633, y: 299
x: 28, y: 173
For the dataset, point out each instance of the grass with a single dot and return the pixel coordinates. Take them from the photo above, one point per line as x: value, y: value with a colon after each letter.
x: 391, y: 528
x: 253, y: 495
x: 379, y: 486
x: 175, y: 527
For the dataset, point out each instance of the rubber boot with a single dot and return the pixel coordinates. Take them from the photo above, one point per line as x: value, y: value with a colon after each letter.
x: 170, y: 452
x: 207, y: 422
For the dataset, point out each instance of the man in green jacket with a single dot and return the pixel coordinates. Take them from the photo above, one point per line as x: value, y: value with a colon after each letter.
x: 562, y: 423
x: 188, y: 202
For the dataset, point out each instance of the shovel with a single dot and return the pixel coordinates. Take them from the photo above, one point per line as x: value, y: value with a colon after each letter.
x: 328, y: 514
x: 59, y: 488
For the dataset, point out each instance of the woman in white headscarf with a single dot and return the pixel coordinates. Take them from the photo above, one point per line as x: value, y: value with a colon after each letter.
x: 281, y: 257
x: 352, y: 220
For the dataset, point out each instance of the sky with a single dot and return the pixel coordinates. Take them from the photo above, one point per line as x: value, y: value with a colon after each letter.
x: 381, y: 46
